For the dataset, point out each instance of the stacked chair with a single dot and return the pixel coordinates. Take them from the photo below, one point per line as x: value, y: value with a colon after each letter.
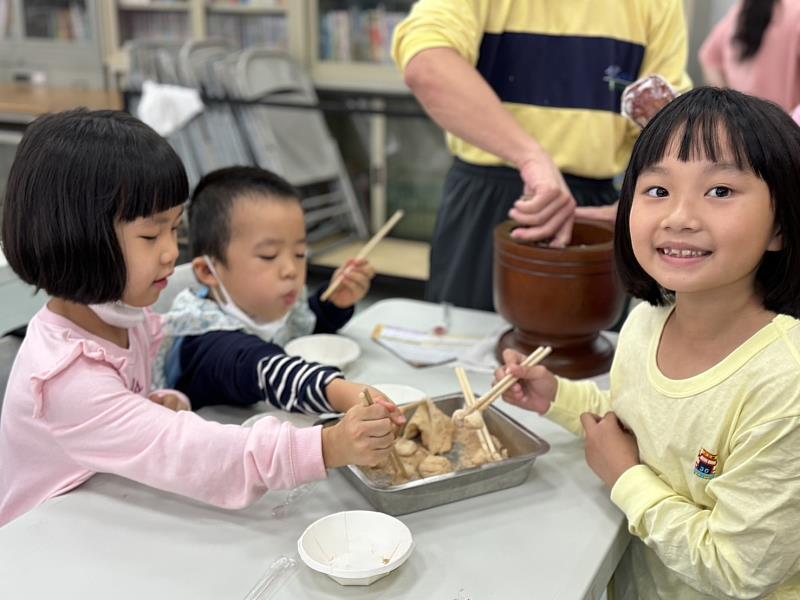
x: 260, y: 108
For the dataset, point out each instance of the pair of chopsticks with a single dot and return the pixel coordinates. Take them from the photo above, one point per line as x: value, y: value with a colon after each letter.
x: 368, y: 247
x: 398, y: 467
x: 500, y: 388
x: 484, y: 437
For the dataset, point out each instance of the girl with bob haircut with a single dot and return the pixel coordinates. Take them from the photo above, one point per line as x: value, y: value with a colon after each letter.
x: 92, y: 206
x: 699, y: 434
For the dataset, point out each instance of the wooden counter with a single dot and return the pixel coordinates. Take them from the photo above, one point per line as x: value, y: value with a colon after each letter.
x: 22, y: 102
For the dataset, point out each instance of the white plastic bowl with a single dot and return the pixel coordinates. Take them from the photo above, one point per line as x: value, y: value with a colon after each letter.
x: 325, y: 348
x: 355, y: 547
x: 400, y: 394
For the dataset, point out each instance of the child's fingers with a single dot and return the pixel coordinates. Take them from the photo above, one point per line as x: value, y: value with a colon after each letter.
x: 360, y: 280
x: 516, y: 391
x: 374, y: 412
x: 589, y: 421
x: 384, y: 442
x: 363, y: 267
x: 170, y: 401
x: 512, y: 357
x: 156, y: 398
x: 377, y: 429
x: 395, y: 414
x: 528, y: 373
x: 174, y: 403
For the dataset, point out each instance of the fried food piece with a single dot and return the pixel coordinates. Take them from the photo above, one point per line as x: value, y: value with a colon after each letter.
x: 434, y: 465
x: 405, y: 447
x: 433, y: 426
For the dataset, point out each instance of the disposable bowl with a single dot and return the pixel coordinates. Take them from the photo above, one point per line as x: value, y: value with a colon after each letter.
x: 355, y: 547
x: 324, y: 348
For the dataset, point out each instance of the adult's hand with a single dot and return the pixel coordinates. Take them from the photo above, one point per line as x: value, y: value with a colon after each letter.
x: 547, y: 209
x: 606, y: 214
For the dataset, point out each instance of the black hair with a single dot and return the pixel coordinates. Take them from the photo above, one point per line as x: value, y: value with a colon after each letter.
x: 751, y: 24
x: 213, y: 200
x: 74, y: 176
x: 710, y: 122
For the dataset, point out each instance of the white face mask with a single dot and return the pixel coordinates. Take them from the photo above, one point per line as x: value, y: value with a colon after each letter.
x: 266, y: 330
x: 119, y: 314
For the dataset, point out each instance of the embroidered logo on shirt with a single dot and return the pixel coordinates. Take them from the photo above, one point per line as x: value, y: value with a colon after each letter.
x: 706, y: 464
x: 136, y: 387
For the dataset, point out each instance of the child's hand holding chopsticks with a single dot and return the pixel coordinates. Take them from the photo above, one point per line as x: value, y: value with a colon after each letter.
x: 356, y: 275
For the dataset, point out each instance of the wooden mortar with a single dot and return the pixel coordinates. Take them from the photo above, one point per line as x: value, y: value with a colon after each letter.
x: 559, y: 297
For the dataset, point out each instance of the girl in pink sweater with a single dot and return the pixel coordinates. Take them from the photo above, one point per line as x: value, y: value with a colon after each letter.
x: 92, y: 206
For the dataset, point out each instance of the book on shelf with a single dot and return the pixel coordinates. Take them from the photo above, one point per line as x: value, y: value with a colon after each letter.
x: 138, y: 3
x: 358, y: 35
x: 57, y: 22
x: 251, y: 3
x: 261, y: 30
x: 155, y: 25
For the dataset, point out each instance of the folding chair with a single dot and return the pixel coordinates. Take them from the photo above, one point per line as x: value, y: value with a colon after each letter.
x: 156, y: 60
x: 214, y: 133
x: 294, y: 142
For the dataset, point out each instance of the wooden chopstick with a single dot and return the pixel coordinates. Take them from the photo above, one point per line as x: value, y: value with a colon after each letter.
x: 397, y: 465
x: 484, y: 436
x: 499, y: 388
x: 368, y: 247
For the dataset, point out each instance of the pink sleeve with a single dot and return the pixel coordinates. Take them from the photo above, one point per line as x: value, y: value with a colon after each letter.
x: 105, y: 428
x: 711, y: 54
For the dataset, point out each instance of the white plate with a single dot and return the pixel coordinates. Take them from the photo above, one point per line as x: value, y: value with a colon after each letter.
x: 355, y: 547
x: 400, y: 394
x: 324, y: 348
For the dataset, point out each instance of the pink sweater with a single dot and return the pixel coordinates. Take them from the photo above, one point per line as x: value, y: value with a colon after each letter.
x: 74, y: 407
x: 774, y: 72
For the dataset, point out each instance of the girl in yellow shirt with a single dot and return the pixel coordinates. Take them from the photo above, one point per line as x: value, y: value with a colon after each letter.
x: 699, y: 434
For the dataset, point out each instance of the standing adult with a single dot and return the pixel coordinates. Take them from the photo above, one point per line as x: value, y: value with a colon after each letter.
x: 529, y: 94
x: 755, y: 49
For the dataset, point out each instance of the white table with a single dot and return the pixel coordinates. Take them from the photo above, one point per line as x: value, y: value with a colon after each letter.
x: 556, y: 536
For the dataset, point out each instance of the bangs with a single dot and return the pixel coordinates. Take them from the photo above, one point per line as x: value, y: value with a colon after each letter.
x: 701, y: 131
x: 150, y: 179
x: 730, y: 127
x: 125, y: 169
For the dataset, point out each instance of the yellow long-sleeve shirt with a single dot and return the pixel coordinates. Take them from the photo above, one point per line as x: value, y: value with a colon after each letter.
x: 715, y: 503
x: 550, y: 62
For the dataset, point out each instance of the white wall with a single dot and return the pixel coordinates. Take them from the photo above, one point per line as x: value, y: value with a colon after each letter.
x: 719, y: 8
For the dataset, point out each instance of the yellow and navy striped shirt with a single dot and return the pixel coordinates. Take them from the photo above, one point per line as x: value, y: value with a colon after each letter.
x: 554, y: 64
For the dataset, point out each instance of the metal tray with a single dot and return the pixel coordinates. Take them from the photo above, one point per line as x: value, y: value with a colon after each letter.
x: 523, y: 448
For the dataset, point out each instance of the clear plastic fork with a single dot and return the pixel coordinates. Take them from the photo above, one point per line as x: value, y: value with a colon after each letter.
x: 273, y: 577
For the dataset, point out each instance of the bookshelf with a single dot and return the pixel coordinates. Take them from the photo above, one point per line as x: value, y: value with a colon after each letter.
x: 350, y: 44
x: 51, y: 42
x: 345, y: 46
x: 277, y: 24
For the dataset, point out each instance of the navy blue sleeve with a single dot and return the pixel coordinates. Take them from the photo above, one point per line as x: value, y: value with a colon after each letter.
x: 330, y: 318
x: 236, y: 368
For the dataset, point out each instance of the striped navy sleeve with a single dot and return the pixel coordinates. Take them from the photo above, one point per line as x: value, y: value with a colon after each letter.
x: 236, y: 368
x: 295, y: 385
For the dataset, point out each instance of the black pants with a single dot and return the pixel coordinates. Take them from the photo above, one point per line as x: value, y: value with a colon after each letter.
x: 475, y: 200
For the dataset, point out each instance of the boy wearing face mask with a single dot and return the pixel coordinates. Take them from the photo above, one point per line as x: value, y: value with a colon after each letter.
x: 248, y: 239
